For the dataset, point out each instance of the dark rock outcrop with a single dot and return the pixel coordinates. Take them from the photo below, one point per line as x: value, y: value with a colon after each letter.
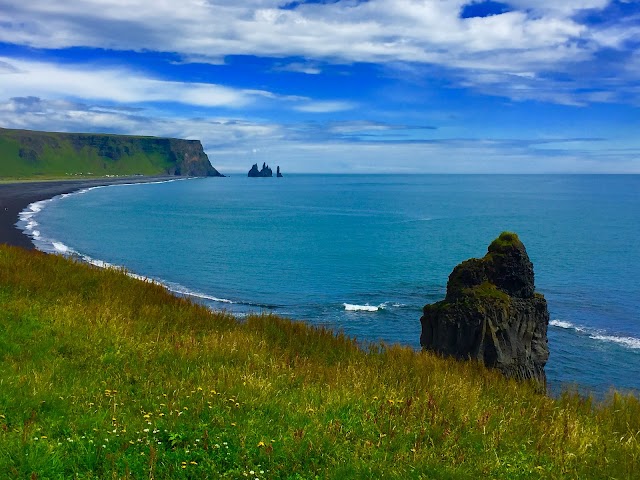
x: 265, y: 172
x: 492, y: 314
x: 278, y: 174
x: 38, y: 153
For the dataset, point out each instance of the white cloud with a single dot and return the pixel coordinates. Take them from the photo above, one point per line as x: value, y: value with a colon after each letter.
x: 377, y: 30
x: 43, y: 79
x: 539, y: 36
x: 325, y: 107
x: 298, y: 67
x: 24, y: 78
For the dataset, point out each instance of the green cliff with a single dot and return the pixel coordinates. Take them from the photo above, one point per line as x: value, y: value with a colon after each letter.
x: 27, y: 154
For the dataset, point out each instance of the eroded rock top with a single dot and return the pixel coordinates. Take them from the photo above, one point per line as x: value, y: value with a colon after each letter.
x: 506, y: 265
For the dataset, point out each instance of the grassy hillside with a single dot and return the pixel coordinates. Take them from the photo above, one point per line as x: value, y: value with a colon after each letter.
x: 29, y: 154
x: 105, y: 376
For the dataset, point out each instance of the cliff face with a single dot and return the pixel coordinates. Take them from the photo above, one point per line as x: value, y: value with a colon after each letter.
x: 25, y: 153
x: 191, y: 159
x: 492, y: 314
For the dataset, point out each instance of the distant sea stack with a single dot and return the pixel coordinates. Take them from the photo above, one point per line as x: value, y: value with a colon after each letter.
x: 28, y: 153
x: 278, y: 174
x: 265, y: 172
x: 492, y: 314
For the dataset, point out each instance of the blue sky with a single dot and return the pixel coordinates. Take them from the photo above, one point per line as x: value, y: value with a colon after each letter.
x: 523, y: 86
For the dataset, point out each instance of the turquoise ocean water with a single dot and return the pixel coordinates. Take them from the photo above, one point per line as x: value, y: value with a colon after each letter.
x: 363, y: 254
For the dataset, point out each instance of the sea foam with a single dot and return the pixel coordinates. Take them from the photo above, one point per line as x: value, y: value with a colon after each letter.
x: 625, y: 341
x: 566, y: 325
x: 349, y: 307
x: 179, y: 289
x: 60, y: 247
x: 629, y: 342
x: 28, y: 224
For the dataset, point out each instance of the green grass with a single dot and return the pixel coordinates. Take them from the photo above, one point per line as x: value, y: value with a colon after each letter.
x: 105, y: 376
x: 505, y: 241
x: 488, y: 291
x: 63, y: 160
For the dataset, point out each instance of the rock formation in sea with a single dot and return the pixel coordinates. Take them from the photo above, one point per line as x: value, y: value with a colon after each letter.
x: 491, y: 313
x: 264, y: 172
x: 278, y: 174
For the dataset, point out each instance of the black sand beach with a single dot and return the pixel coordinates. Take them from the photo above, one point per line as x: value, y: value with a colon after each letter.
x: 15, y: 197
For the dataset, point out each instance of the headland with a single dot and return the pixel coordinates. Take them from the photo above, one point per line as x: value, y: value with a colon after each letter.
x: 29, y: 154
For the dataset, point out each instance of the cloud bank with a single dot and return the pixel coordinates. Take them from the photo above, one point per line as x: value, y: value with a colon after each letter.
x: 424, y: 31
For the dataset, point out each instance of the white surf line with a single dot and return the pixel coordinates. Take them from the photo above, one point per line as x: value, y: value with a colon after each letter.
x: 40, y: 241
x: 28, y: 224
x: 625, y: 341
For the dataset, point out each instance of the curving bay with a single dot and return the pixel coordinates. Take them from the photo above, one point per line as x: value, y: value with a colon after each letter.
x: 364, y: 253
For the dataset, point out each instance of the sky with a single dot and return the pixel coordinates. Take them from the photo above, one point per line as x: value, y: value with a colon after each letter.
x: 346, y: 86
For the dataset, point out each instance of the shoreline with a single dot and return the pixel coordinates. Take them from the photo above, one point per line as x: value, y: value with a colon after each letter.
x: 17, y: 196
x: 22, y: 194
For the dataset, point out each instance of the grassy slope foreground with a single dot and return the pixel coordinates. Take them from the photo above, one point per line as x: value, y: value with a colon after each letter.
x: 33, y: 154
x: 105, y: 376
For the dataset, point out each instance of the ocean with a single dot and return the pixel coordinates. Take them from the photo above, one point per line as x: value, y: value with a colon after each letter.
x: 364, y: 253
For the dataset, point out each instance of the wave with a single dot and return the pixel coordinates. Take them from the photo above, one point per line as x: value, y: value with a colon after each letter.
x: 349, y: 307
x: 170, y: 286
x: 28, y: 224
x: 629, y: 342
x: 352, y: 307
x: 61, y: 248
x: 566, y: 325
x: 182, y: 290
x: 179, y: 289
x: 625, y: 341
